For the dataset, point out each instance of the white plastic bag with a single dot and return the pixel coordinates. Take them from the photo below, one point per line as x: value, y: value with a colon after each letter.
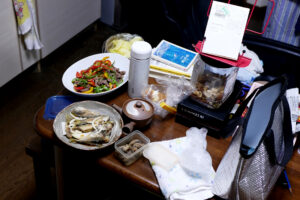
x: 255, y: 68
x: 174, y: 181
x: 194, y: 159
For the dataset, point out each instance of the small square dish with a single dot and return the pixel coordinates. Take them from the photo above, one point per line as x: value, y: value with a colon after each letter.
x: 130, y: 148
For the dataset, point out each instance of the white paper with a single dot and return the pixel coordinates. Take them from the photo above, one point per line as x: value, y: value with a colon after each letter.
x: 292, y: 96
x: 225, y: 30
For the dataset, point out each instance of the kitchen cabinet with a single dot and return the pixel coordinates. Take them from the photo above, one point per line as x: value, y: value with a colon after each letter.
x: 10, y: 62
x: 57, y: 21
x: 60, y: 20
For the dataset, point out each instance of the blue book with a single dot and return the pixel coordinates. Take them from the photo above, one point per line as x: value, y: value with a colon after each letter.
x: 174, y: 55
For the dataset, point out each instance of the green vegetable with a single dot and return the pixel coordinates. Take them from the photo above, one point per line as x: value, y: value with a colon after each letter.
x: 101, y: 88
x: 89, y: 77
x: 118, y: 83
x: 82, y: 82
x: 113, y: 78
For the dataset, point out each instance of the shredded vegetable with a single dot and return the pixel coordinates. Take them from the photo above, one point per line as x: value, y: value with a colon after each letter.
x: 87, y: 127
x: 100, y: 77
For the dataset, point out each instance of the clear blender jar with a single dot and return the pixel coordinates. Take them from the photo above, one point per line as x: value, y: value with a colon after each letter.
x: 213, y: 80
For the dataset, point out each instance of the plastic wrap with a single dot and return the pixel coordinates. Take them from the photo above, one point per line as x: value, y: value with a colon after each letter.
x: 120, y: 43
x: 130, y: 157
x: 213, y: 85
x: 167, y: 94
x: 195, y: 160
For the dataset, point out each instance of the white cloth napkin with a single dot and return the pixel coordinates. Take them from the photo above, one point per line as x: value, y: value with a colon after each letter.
x: 176, y: 184
x: 26, y: 21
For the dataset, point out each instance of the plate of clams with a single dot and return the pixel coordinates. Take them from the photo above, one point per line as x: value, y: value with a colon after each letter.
x: 88, y: 125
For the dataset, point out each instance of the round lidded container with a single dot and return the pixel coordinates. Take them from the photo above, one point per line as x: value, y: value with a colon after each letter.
x: 138, y: 113
x: 138, y: 110
x: 213, y: 80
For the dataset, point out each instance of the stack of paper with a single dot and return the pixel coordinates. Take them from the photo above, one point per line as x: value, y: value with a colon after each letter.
x: 169, y: 59
x: 163, y: 71
x: 293, y: 98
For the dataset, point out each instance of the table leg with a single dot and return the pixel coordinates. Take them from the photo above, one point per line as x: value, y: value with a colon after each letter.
x: 58, y: 154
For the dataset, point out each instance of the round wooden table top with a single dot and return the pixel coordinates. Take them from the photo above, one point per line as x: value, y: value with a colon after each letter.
x: 141, y: 172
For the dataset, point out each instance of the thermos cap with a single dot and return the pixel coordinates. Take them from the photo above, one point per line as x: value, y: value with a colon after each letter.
x: 141, y: 50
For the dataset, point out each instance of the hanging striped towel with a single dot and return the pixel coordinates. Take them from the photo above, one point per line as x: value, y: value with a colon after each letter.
x: 27, y: 27
x: 282, y: 23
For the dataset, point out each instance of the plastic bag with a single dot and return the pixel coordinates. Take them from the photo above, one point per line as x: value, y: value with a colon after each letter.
x: 120, y: 43
x: 169, y: 92
x: 248, y: 74
x: 195, y: 160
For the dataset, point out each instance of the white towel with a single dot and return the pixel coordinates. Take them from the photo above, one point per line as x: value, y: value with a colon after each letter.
x: 176, y: 184
x: 27, y: 27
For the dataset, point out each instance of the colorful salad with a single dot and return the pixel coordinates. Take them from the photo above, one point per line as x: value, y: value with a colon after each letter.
x: 100, y: 77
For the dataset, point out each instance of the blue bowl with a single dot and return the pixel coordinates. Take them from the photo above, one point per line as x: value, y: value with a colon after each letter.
x: 55, y: 104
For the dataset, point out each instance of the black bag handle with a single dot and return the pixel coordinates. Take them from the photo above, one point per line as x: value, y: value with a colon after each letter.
x: 287, y: 138
x: 288, y: 133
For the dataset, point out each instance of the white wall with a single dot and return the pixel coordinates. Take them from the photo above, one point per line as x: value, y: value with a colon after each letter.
x: 60, y: 20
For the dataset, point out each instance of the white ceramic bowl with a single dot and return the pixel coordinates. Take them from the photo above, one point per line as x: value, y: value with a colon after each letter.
x: 119, y: 61
x: 58, y: 124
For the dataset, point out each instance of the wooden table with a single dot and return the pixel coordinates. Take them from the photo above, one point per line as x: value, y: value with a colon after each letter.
x: 141, y: 172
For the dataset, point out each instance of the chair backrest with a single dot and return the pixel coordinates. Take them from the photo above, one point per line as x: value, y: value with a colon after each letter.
x: 189, y: 19
x: 278, y: 58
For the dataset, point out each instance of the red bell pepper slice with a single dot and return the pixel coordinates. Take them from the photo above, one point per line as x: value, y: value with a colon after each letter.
x: 97, y: 63
x: 108, y: 62
x: 105, y: 67
x: 93, y: 67
x: 78, y: 75
x: 78, y: 88
x: 92, y: 82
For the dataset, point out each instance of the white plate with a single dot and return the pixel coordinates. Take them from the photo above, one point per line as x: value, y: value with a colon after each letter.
x: 119, y: 61
x: 104, y: 109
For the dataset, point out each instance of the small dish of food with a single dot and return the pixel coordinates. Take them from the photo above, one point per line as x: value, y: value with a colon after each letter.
x: 97, y: 75
x: 88, y: 125
x: 130, y: 148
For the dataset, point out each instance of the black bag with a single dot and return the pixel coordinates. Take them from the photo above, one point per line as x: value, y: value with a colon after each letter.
x: 261, y: 146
